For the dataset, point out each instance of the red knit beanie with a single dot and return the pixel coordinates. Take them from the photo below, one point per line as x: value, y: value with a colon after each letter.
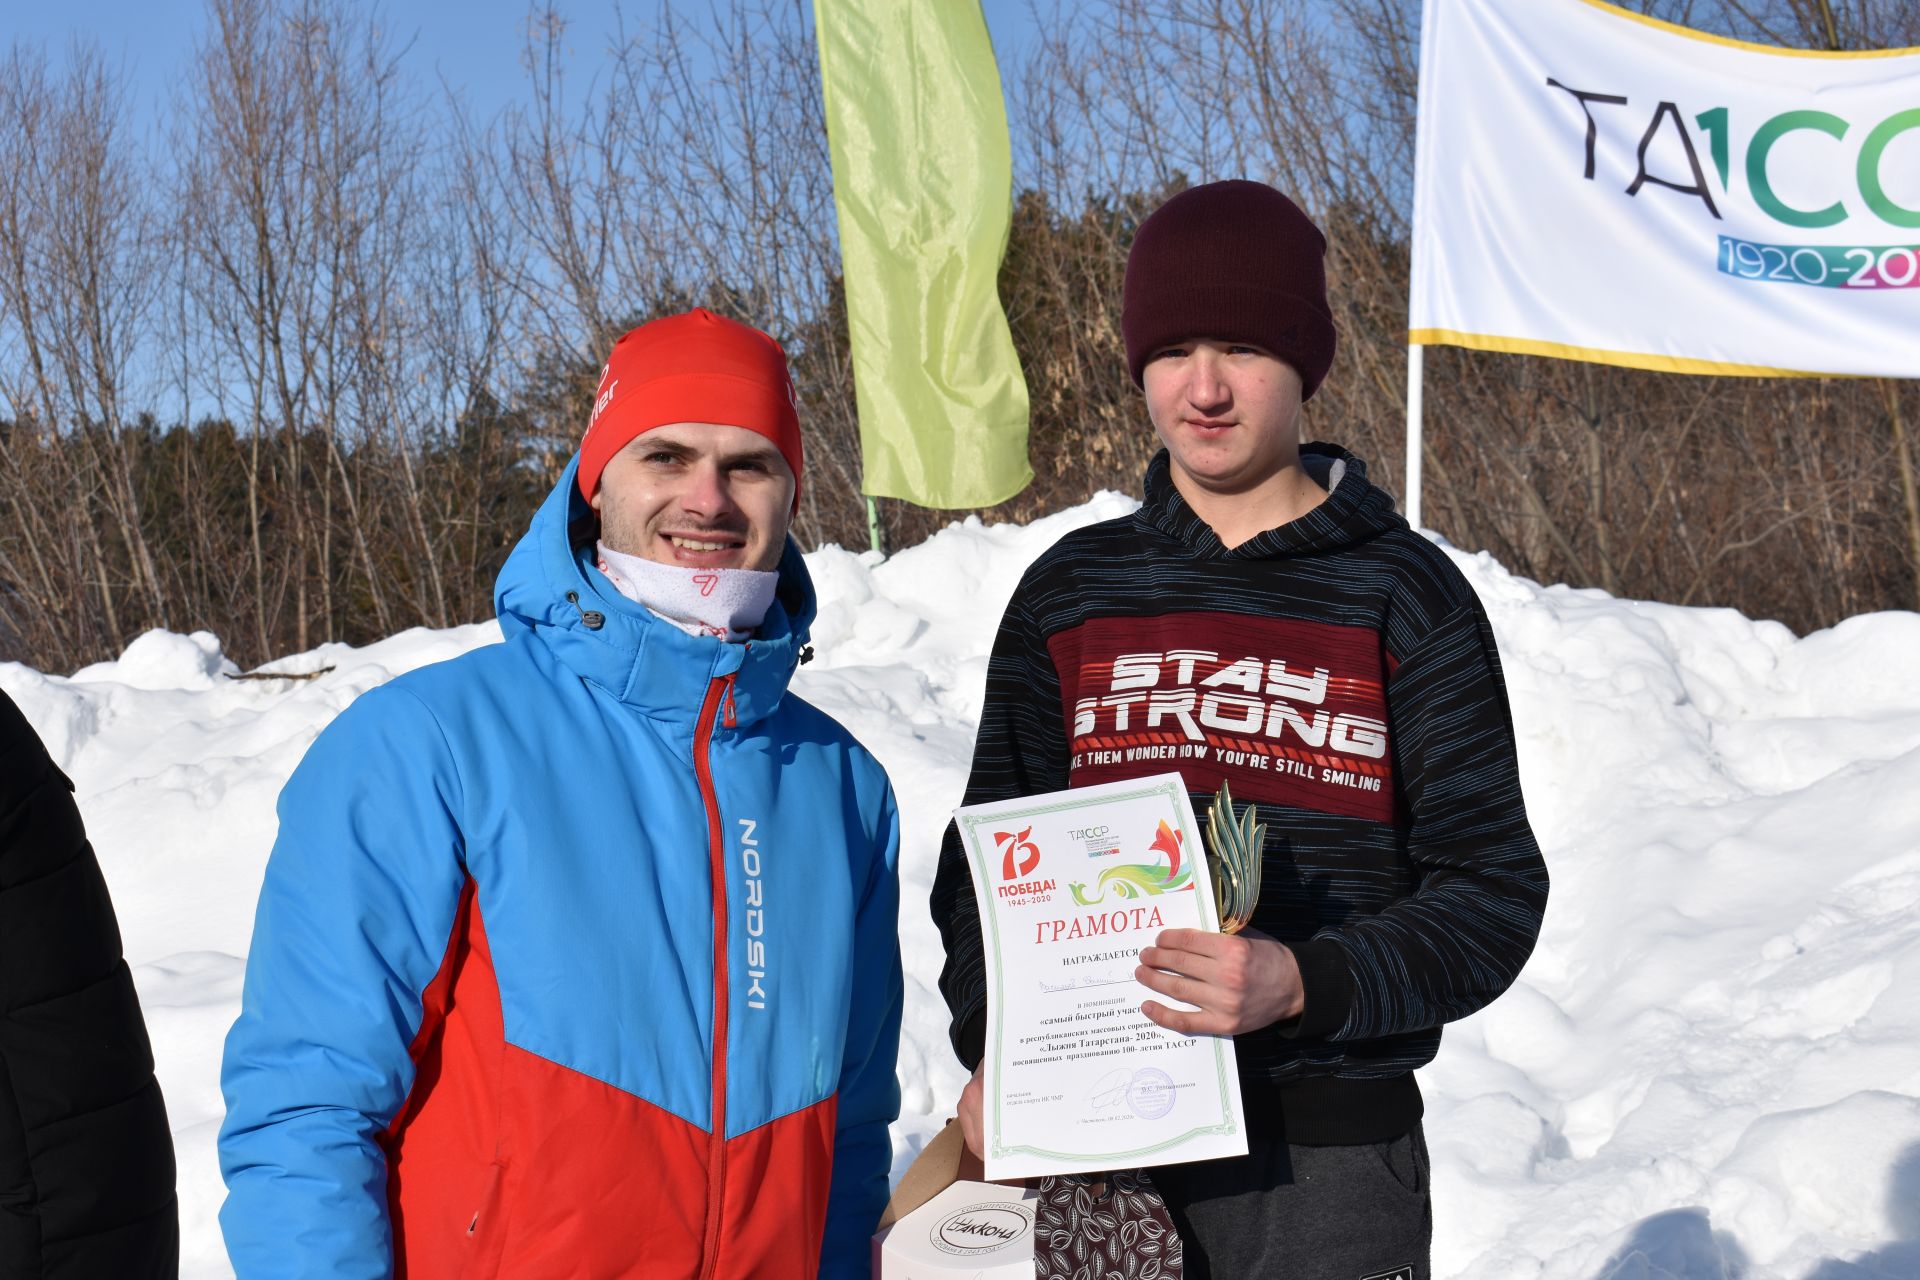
x: 1236, y: 262
x: 694, y: 367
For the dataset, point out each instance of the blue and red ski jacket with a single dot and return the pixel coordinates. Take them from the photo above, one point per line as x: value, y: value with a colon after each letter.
x: 577, y: 956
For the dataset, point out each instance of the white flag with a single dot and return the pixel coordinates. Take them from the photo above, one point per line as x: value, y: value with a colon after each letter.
x: 1597, y: 185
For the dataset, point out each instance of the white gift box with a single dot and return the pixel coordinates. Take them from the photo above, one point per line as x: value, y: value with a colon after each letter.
x: 972, y: 1229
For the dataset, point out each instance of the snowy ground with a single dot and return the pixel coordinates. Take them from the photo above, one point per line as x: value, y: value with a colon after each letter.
x: 1711, y: 1068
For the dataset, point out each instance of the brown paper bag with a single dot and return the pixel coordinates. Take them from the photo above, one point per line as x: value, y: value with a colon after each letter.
x: 941, y: 1163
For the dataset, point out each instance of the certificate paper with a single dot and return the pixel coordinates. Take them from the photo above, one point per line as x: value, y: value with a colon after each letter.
x: 1071, y: 887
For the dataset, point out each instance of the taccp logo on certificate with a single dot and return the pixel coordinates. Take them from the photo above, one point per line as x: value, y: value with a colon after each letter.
x: 1077, y: 1078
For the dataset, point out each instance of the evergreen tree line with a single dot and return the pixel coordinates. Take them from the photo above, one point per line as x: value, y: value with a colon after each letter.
x: 296, y: 364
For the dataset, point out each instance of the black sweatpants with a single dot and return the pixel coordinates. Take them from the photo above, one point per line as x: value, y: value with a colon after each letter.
x: 1284, y: 1212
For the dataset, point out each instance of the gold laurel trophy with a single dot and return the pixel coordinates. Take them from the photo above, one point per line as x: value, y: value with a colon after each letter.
x: 1236, y: 841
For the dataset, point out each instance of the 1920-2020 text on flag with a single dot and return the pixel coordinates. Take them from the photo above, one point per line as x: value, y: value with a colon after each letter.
x: 923, y: 181
x: 1601, y: 186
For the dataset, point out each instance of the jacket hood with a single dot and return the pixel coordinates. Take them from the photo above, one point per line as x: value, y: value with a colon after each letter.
x: 1354, y: 511
x: 550, y: 587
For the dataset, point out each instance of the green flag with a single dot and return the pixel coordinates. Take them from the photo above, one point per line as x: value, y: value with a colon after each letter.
x: 923, y: 180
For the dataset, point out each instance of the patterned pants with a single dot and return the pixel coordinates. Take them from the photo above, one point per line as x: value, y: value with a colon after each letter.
x: 1282, y: 1212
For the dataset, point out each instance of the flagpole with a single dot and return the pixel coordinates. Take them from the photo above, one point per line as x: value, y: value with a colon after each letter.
x: 1416, y: 379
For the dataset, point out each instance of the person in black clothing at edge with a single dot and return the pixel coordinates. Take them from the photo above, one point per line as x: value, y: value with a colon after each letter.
x: 86, y: 1160
x: 1267, y: 600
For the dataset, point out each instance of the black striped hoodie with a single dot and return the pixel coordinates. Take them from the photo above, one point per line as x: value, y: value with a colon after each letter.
x: 1339, y: 672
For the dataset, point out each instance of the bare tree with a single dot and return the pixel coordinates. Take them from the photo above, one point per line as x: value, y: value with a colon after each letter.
x: 80, y: 272
x: 382, y: 319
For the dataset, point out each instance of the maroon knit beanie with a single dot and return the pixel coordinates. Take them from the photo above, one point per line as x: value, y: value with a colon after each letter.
x: 1236, y: 262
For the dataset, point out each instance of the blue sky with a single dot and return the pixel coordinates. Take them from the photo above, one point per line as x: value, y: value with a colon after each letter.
x: 473, y: 45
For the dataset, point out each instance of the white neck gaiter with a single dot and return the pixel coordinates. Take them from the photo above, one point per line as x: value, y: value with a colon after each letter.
x: 728, y: 603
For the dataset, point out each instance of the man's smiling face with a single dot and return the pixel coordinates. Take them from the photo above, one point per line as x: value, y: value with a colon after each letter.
x: 699, y: 495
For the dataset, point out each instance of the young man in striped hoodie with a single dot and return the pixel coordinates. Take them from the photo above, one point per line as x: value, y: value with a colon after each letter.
x: 1268, y: 608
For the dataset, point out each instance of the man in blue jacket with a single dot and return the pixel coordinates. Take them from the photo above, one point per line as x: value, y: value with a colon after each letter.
x: 577, y: 955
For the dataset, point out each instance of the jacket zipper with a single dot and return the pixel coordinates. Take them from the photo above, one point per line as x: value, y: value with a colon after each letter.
x: 718, y: 705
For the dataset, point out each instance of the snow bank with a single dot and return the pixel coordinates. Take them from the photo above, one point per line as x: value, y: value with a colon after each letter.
x: 1710, y: 1069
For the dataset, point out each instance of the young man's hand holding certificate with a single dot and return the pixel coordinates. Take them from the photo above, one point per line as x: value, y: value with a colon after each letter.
x: 1073, y: 888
